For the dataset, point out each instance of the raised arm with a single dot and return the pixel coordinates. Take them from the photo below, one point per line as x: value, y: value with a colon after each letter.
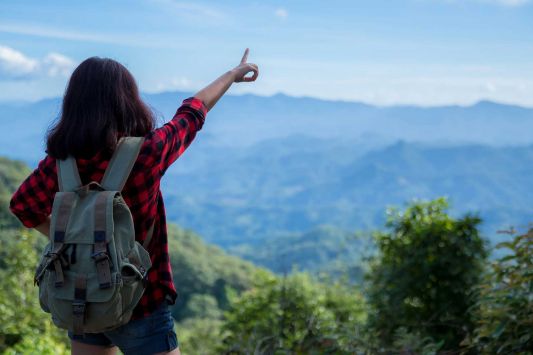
x: 173, y: 138
x: 214, y: 91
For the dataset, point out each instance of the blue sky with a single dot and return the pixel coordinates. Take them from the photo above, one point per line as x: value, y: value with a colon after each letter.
x: 424, y: 52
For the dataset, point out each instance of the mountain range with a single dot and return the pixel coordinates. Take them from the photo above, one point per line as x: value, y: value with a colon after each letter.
x: 265, y: 167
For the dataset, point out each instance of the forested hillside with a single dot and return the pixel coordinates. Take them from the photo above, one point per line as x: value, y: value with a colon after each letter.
x: 428, y: 290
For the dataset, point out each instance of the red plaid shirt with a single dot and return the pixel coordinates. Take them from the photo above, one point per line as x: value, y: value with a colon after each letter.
x: 32, y: 202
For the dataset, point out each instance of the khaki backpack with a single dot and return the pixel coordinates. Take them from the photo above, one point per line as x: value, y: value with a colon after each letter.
x: 92, y: 274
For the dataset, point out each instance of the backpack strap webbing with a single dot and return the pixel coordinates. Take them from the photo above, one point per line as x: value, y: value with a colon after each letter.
x: 100, y: 254
x: 78, y: 304
x: 121, y: 163
x: 63, y: 209
x: 149, y: 235
x: 67, y: 174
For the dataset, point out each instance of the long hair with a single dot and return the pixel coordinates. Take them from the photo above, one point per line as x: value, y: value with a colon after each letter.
x: 100, y: 105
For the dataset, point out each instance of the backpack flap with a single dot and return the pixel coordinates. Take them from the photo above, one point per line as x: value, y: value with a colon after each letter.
x: 93, y: 294
x: 80, y: 218
x: 81, y: 305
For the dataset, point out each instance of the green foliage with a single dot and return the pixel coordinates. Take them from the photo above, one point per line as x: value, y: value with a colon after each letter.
x: 203, y: 274
x: 410, y: 342
x: 24, y: 327
x: 202, y: 306
x: 293, y: 315
x: 505, y: 318
x: 199, y: 336
x: 423, y: 277
x: 420, y: 291
x: 12, y: 173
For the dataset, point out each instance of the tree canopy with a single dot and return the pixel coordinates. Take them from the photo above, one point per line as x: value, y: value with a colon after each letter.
x: 423, y: 278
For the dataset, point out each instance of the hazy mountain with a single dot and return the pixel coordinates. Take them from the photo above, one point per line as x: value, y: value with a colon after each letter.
x: 268, y: 166
x: 322, y: 250
x: 248, y: 119
x: 247, y: 195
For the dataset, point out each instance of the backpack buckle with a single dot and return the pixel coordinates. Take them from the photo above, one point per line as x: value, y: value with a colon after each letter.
x: 78, y: 308
x: 78, y: 317
x: 51, y: 256
x: 99, y: 256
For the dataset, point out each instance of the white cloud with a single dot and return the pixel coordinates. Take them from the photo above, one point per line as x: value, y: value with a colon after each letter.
x: 281, y: 13
x: 16, y: 65
x: 43, y: 31
x: 56, y: 64
x: 125, y: 39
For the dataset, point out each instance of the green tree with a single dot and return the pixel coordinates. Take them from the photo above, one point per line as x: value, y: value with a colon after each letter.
x: 199, y: 335
x: 422, y: 279
x: 11, y: 175
x: 294, y: 315
x: 505, y: 318
x: 24, y: 327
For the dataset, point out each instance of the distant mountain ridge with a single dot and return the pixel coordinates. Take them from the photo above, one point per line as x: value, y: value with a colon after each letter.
x: 243, y: 120
x: 264, y: 166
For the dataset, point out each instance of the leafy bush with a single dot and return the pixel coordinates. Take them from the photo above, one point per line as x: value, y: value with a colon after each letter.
x: 11, y: 175
x: 423, y: 277
x: 505, y: 318
x: 294, y: 315
x: 24, y: 328
x: 199, y: 336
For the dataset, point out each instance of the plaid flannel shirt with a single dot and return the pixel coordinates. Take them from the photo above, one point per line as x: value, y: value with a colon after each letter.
x: 32, y: 202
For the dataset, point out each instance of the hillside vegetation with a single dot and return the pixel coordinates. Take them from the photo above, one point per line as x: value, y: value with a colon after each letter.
x: 429, y: 290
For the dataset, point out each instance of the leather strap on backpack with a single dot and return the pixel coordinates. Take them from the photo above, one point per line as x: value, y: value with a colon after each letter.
x: 121, y: 163
x: 79, y: 304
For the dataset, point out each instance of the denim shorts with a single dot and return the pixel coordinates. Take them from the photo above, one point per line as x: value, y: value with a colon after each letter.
x: 149, y: 335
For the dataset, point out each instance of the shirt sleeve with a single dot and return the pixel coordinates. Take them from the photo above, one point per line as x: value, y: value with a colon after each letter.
x: 32, y: 202
x: 173, y: 138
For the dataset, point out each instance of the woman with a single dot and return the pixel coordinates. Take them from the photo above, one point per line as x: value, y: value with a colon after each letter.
x: 102, y: 104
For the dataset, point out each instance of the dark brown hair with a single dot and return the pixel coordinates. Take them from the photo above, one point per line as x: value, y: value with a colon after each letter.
x: 101, y: 103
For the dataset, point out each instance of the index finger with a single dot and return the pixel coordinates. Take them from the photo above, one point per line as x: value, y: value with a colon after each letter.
x: 245, y: 56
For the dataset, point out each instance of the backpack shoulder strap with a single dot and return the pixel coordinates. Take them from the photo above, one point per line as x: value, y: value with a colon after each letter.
x: 121, y: 163
x: 67, y: 174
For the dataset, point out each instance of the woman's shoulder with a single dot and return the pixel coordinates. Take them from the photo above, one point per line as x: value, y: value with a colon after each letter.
x: 47, y: 164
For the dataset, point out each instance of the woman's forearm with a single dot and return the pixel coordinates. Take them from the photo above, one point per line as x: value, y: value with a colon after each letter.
x: 214, y: 91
